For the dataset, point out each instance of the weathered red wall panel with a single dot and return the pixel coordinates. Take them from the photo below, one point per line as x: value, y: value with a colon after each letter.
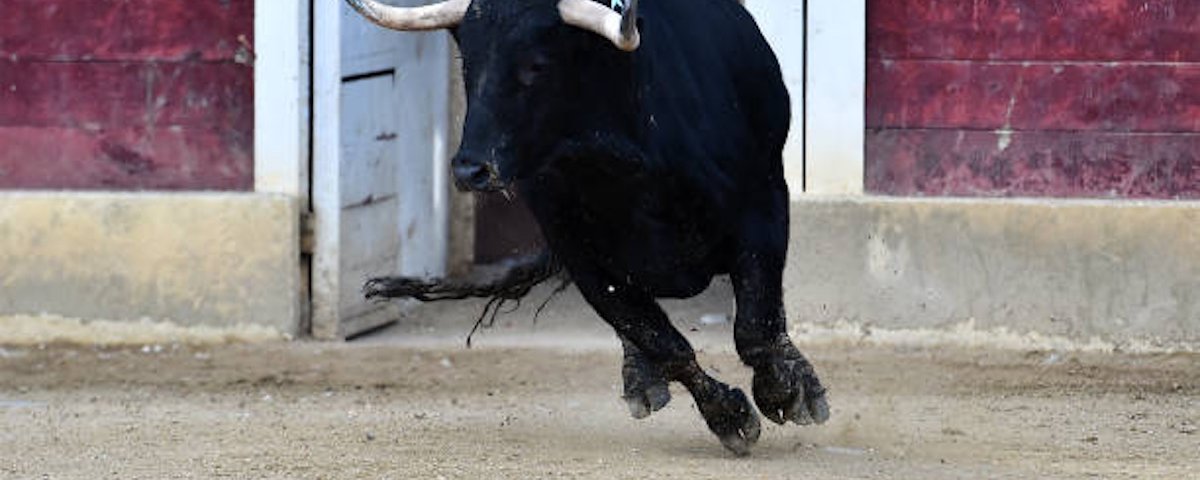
x: 166, y: 158
x: 977, y: 95
x: 126, y: 94
x: 987, y: 163
x: 129, y: 94
x: 1034, y: 98
x: 136, y: 30
x: 1104, y: 30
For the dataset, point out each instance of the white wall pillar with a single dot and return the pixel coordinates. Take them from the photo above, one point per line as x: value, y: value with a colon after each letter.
x: 281, y: 93
x: 282, y: 45
x: 836, y: 96
x: 782, y: 22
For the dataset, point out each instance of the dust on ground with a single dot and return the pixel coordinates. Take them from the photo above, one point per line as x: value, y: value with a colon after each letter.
x: 543, y: 402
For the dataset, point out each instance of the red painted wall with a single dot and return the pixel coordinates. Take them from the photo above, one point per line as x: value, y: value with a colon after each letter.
x: 126, y: 94
x: 1096, y: 98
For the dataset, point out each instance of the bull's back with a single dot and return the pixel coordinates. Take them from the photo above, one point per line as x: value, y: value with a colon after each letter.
x: 713, y: 85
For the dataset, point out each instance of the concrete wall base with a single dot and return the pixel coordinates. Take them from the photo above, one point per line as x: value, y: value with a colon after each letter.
x: 215, y: 260
x: 1122, y: 273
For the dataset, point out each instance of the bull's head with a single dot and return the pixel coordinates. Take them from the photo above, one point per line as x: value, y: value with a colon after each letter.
x: 525, y: 79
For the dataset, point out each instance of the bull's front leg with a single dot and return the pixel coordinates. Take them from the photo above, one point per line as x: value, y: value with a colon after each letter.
x: 786, y: 386
x: 646, y: 389
x: 638, y: 320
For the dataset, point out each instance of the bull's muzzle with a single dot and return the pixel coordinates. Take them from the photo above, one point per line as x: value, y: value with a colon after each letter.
x: 472, y: 172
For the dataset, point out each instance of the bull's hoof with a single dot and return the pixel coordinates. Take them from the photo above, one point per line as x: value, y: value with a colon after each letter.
x: 787, y: 389
x: 731, y: 417
x: 643, y: 403
x: 645, y: 386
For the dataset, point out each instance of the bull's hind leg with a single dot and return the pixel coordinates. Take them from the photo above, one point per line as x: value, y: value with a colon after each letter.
x: 638, y: 320
x: 786, y: 386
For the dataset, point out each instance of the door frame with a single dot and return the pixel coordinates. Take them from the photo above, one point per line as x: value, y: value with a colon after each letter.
x: 297, y: 93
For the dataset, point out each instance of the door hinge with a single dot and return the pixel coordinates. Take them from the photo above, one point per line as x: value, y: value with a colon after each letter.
x: 307, y: 232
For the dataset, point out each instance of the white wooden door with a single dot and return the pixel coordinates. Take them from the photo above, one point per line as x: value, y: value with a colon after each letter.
x: 379, y: 186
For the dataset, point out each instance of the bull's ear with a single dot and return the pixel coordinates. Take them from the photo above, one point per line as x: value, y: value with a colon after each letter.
x: 618, y: 28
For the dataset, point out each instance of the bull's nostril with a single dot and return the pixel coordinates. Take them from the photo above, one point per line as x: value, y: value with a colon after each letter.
x: 480, y: 177
x: 472, y: 174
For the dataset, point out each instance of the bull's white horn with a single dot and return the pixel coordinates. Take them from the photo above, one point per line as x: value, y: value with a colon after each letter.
x: 618, y: 28
x: 440, y: 15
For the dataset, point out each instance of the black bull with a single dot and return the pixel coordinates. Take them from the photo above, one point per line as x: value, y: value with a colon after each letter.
x: 649, y: 172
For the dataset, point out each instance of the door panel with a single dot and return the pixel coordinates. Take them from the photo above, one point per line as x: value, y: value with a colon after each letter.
x: 370, y: 213
x: 379, y: 193
x: 369, y: 141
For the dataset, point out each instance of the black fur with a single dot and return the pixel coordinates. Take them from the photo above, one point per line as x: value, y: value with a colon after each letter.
x: 649, y: 173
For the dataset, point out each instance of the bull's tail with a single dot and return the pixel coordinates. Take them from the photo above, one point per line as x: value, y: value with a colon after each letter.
x: 514, y: 281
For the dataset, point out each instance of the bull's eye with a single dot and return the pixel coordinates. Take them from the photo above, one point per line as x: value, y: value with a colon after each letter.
x: 531, y: 69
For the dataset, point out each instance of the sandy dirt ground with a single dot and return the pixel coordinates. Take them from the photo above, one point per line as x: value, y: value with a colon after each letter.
x: 541, y: 401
